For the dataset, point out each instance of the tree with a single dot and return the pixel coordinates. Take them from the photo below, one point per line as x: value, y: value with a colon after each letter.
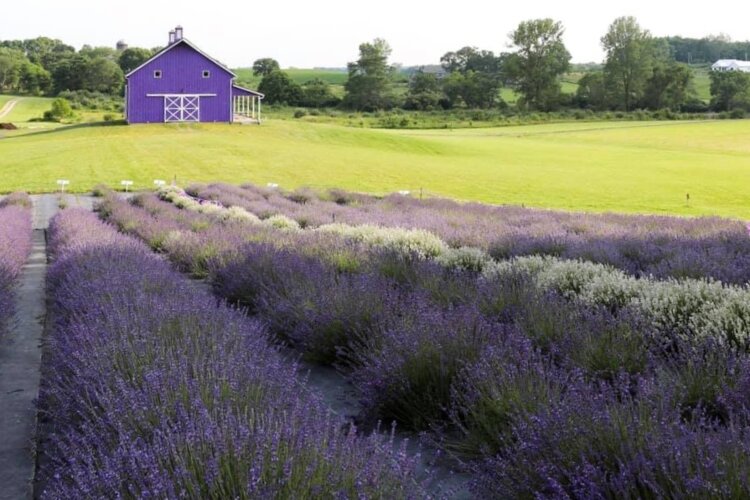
x: 102, y: 75
x: 592, y: 91
x: 668, y: 86
x: 11, y: 61
x: 133, y: 57
x: 317, y: 93
x: 629, y: 60
x: 424, y: 92
x: 280, y: 89
x: 34, y: 79
x: 266, y: 66
x: 540, y: 59
x: 730, y: 90
x: 470, y: 59
x: 83, y: 73
x: 369, y: 86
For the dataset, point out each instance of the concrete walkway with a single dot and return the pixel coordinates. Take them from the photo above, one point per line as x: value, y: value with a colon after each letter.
x: 20, y: 362
x: 20, y: 358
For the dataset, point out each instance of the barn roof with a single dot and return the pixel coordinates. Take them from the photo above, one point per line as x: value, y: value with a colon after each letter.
x: 175, y: 44
x: 731, y: 63
x: 253, y: 92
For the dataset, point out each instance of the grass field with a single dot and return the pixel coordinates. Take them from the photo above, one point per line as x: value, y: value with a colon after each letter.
x: 629, y: 167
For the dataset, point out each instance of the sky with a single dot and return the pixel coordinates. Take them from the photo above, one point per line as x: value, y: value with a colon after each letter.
x: 327, y: 33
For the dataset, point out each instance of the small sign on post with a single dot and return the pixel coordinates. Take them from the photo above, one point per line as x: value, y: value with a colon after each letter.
x: 62, y: 183
x: 126, y: 185
x: 273, y: 185
x: 160, y: 183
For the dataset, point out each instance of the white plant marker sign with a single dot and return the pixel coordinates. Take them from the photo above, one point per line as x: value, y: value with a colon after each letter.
x: 127, y: 185
x: 404, y: 193
x: 273, y: 185
x: 62, y: 183
x: 160, y: 183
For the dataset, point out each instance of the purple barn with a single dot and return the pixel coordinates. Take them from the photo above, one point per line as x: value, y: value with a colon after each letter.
x: 183, y: 84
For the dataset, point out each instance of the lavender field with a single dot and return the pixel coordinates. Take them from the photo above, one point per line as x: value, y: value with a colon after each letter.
x: 533, y: 372
x: 157, y: 392
x: 243, y: 342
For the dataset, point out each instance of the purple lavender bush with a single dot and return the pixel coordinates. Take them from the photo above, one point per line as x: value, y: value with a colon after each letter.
x: 15, y: 246
x: 707, y: 247
x: 539, y: 394
x: 604, y: 443
x: 154, y: 390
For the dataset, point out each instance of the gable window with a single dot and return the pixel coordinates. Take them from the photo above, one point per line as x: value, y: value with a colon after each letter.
x: 206, y: 73
x: 157, y: 73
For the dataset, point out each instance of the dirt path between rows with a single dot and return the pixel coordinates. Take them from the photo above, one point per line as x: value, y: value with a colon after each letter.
x: 5, y: 110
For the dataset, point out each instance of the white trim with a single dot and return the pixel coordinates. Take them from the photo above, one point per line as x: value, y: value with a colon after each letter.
x: 254, y: 92
x: 206, y: 73
x: 161, y: 73
x: 180, y: 95
x: 170, y: 47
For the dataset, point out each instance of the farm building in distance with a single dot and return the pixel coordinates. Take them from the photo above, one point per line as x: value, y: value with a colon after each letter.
x: 731, y: 65
x: 181, y: 83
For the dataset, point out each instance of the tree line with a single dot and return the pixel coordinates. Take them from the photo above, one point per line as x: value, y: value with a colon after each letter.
x: 640, y: 71
x: 45, y: 66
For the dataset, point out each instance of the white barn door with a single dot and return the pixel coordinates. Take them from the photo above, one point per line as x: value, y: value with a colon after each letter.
x: 182, y: 108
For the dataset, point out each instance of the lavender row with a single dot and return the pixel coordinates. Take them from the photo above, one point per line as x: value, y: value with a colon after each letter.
x: 537, y: 394
x: 639, y: 245
x: 154, y: 390
x: 15, y: 246
x: 692, y: 309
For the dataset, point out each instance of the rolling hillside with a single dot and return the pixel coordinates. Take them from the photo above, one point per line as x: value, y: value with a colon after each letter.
x: 629, y: 167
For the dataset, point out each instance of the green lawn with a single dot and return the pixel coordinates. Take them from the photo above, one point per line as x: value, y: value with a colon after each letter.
x: 702, y: 83
x: 629, y: 167
x: 27, y: 108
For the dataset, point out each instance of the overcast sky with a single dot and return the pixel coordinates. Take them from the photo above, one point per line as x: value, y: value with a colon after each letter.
x: 326, y: 33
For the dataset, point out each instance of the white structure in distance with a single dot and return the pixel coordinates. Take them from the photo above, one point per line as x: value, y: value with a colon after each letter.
x: 731, y: 65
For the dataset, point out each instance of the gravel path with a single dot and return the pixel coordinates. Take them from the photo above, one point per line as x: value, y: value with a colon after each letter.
x: 5, y: 110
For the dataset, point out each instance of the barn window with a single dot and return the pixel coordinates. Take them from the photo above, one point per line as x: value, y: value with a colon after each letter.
x: 157, y: 73
x: 206, y: 73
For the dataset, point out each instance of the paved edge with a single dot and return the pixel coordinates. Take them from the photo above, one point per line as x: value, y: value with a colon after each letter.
x: 20, y: 374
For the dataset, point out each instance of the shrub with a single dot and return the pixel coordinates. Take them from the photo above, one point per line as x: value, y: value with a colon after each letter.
x: 60, y: 110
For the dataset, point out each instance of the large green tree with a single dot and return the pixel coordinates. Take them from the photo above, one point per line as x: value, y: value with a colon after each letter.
x: 470, y: 59
x: 370, y: 83
x: 668, y: 86
x: 80, y: 72
x: 424, y: 91
x: 629, y: 60
x: 538, y: 62
x: 11, y: 62
x: 317, y: 93
x: 133, y: 57
x: 280, y: 89
x: 592, y: 91
x: 730, y: 90
x: 265, y: 66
